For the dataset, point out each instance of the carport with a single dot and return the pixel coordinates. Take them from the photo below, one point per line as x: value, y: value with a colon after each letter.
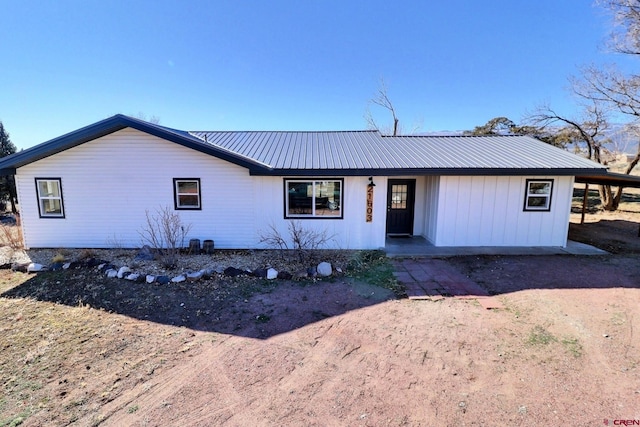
x: 610, y: 178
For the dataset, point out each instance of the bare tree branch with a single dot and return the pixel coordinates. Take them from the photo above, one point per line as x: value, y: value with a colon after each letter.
x: 382, y: 100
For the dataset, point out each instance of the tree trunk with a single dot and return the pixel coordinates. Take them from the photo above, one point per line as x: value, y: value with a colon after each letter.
x: 606, y: 198
x: 12, y: 193
x: 616, y: 200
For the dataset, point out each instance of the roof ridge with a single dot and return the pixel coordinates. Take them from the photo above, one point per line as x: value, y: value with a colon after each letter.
x: 455, y: 136
x: 286, y: 131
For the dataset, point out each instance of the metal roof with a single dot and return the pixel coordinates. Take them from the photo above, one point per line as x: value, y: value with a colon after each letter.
x: 368, y: 152
x: 342, y: 152
x: 611, y: 178
x: 107, y: 126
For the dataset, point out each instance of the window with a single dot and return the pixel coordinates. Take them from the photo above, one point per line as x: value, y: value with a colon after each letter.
x: 187, y: 193
x: 49, y: 191
x: 313, y: 198
x: 399, y: 195
x: 538, y: 195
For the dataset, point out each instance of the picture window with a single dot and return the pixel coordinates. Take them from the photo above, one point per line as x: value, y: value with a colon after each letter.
x: 313, y: 198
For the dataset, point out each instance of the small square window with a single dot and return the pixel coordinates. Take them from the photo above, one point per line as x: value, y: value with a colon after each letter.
x: 187, y: 193
x: 49, y: 192
x: 538, y: 195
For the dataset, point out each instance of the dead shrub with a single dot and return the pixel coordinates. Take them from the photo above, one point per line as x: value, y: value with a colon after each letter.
x: 11, y: 235
x: 165, y: 232
x: 300, y: 242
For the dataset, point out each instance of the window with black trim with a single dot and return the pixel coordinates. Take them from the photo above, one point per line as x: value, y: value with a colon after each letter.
x: 49, y: 192
x: 538, y: 195
x: 186, y: 193
x: 313, y: 198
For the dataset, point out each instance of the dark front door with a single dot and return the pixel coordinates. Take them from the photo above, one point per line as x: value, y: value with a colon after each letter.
x: 401, y: 194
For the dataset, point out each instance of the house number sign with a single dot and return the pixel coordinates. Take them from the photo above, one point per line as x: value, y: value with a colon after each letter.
x: 369, y: 203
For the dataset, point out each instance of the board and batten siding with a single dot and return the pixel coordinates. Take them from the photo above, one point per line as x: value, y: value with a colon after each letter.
x: 431, y: 207
x: 489, y: 211
x: 108, y: 184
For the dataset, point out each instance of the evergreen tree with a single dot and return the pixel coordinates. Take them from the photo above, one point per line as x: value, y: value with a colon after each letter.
x: 7, y: 183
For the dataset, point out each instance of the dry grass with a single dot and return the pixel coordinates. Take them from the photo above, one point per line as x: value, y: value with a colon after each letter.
x: 11, y: 235
x: 60, y: 362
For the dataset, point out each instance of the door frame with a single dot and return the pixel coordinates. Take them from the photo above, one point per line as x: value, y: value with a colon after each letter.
x: 411, y: 206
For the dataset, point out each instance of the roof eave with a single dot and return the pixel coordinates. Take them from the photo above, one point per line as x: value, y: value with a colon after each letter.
x: 433, y: 171
x: 611, y: 178
x: 106, y: 127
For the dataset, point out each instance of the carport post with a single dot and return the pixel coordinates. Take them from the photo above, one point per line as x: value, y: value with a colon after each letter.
x: 585, y: 199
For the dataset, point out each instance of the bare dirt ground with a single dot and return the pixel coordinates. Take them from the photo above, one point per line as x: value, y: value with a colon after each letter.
x: 81, y: 350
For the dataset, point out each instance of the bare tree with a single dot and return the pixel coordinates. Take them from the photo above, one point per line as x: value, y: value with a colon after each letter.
x: 590, y: 131
x: 142, y: 116
x: 382, y: 100
x: 625, y: 35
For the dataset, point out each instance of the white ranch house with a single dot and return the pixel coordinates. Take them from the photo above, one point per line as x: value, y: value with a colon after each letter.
x: 91, y: 188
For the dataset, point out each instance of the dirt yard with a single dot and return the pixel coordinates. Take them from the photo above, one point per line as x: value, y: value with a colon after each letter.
x: 76, y: 350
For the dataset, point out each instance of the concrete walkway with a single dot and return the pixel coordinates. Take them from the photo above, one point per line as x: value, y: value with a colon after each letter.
x: 434, y: 279
x: 418, y: 246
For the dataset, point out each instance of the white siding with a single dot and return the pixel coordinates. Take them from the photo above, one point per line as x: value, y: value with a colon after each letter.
x: 431, y: 207
x: 110, y: 182
x: 351, y: 232
x: 488, y: 211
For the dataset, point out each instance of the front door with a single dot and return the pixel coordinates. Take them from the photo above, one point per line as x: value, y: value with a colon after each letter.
x: 401, y: 194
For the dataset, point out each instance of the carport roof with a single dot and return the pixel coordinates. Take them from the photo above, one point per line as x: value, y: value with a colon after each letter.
x: 611, y: 178
x: 326, y: 153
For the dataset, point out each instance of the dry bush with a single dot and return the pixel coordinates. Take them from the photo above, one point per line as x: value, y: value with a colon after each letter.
x: 165, y: 233
x: 301, y: 241
x: 11, y: 235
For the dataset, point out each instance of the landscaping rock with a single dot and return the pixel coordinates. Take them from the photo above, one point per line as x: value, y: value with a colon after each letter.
x: 150, y: 278
x: 94, y: 262
x: 56, y: 266
x: 208, y: 272
x: 133, y: 277
x: 122, y: 271
x: 34, y: 267
x: 324, y: 269
x: 272, y: 273
x: 111, y: 273
x: 74, y: 265
x: 22, y: 267
x: 179, y: 279
x: 145, y: 254
x: 163, y: 280
x: 285, y: 275
x: 302, y: 274
x: 192, y: 277
x: 312, y: 271
x: 260, y: 272
x: 233, y: 272
x: 66, y: 265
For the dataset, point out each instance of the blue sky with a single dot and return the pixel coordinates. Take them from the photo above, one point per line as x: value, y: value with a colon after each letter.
x: 289, y: 65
